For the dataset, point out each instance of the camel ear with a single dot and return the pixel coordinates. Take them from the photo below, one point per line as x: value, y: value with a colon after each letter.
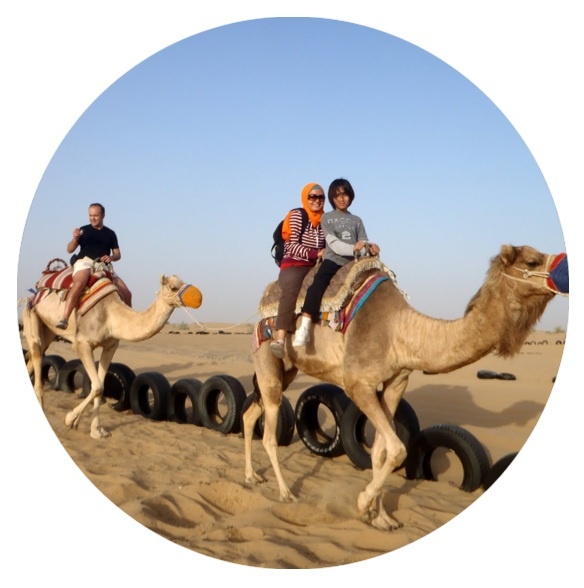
x: 163, y: 279
x: 508, y: 254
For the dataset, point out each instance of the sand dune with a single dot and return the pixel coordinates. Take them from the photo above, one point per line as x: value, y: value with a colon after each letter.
x: 186, y: 483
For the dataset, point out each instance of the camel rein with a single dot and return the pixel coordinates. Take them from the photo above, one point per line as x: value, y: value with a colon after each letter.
x: 177, y: 296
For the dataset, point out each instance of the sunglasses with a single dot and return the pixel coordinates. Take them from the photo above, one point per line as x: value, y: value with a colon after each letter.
x: 315, y: 197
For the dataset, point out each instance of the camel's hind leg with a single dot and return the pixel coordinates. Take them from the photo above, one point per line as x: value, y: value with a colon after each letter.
x: 38, y: 337
x: 272, y: 380
x: 250, y: 417
x: 387, y: 452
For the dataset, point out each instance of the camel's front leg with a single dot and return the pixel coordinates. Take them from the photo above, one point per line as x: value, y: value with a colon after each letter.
x: 370, y: 501
x: 250, y: 417
x: 73, y: 417
x: 387, y: 453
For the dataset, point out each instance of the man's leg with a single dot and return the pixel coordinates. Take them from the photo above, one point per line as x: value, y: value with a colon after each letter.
x: 123, y: 290
x: 80, y: 279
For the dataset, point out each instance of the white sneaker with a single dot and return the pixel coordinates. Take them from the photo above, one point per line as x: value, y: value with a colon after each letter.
x: 301, y: 337
x: 277, y: 348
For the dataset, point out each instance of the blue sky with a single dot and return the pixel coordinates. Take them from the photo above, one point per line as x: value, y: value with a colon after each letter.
x: 198, y: 151
x: 463, y: 175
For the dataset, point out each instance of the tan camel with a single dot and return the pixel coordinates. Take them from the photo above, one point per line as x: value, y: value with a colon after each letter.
x: 108, y: 322
x: 388, y: 339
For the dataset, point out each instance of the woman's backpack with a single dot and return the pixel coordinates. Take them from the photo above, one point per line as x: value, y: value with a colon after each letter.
x: 278, y: 246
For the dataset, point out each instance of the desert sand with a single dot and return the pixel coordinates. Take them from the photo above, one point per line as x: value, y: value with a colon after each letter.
x: 186, y: 483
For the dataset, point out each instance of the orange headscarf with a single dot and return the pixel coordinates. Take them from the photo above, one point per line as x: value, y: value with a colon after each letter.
x: 313, y: 217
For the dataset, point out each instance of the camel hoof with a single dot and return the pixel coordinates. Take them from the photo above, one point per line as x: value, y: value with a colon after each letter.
x: 288, y: 497
x: 365, y: 505
x: 71, y: 421
x: 255, y: 479
x: 100, y: 433
x: 386, y: 523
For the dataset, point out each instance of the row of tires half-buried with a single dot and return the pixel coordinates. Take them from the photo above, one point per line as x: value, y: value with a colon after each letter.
x: 328, y: 423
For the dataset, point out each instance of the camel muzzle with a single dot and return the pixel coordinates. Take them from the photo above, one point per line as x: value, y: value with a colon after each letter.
x: 190, y: 296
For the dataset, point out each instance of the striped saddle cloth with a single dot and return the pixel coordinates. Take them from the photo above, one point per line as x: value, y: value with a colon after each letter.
x: 59, y: 281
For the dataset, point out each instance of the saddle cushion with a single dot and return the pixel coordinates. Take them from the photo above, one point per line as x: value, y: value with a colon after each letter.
x: 346, y: 294
x: 343, y: 285
x: 59, y: 282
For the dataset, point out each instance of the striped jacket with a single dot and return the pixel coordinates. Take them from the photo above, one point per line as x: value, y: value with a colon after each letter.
x: 302, y: 248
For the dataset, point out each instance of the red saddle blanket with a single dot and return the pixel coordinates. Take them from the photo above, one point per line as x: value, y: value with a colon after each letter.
x: 59, y: 282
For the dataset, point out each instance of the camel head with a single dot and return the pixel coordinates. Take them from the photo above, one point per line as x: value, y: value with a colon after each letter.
x: 515, y: 294
x: 177, y: 293
x: 528, y: 266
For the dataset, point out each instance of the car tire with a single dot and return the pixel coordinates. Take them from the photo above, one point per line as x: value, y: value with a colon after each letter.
x: 73, y: 376
x: 233, y: 394
x: 467, y: 447
x: 118, y: 385
x: 149, y: 395
x: 308, y: 425
x: 183, y: 392
x: 497, y: 469
x: 50, y: 367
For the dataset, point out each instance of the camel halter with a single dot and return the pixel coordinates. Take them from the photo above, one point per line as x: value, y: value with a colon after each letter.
x: 528, y: 274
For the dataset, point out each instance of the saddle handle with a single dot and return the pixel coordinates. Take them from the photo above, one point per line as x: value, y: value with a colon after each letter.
x: 367, y: 251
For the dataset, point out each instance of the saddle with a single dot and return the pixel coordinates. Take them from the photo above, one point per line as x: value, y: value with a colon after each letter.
x: 345, y: 295
x: 57, y: 278
x: 345, y: 283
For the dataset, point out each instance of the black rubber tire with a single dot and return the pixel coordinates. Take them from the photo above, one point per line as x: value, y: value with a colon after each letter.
x: 353, y: 426
x: 308, y: 426
x: 506, y: 376
x: 469, y: 450
x: 186, y: 389
x: 149, y: 395
x: 69, y: 373
x: 285, y: 428
x: 50, y: 367
x: 497, y: 469
x: 486, y: 375
x: 118, y: 384
x: 234, y: 395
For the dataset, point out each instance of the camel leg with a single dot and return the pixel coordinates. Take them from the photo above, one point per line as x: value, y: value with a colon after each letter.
x: 387, y: 451
x: 250, y: 417
x: 36, y: 336
x: 97, y: 431
x: 97, y: 377
x: 272, y: 379
x: 270, y: 442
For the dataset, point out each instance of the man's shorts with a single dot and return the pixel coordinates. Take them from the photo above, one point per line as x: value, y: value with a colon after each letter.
x: 86, y: 263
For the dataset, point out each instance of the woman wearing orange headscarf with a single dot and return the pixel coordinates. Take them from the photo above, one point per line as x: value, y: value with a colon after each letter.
x: 304, y: 245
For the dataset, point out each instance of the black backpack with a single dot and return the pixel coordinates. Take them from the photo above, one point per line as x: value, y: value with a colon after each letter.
x: 278, y: 246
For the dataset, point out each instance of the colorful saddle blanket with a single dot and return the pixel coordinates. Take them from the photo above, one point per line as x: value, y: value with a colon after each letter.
x: 59, y: 282
x: 342, y: 287
x: 337, y: 320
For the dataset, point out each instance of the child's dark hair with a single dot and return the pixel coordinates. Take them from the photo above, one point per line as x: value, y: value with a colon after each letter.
x: 337, y: 185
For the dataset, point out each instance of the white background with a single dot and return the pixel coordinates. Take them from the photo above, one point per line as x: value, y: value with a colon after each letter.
x: 57, y: 57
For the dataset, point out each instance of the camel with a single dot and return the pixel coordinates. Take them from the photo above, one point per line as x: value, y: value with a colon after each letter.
x: 386, y: 340
x: 104, y: 325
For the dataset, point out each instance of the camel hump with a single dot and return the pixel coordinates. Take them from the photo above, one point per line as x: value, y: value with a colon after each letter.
x: 343, y: 285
